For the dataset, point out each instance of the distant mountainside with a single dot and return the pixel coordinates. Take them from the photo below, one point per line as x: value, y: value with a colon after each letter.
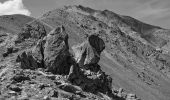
x: 14, y: 23
x: 134, y: 54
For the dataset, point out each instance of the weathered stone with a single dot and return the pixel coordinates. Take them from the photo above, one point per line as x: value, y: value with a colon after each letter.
x: 27, y: 60
x: 56, y: 52
x: 99, y: 82
x: 131, y: 97
x: 38, y: 52
x: 70, y: 88
x: 120, y: 92
x: 46, y: 98
x: 97, y: 43
x: 10, y: 50
x: 33, y: 58
x: 12, y: 93
x: 74, y: 73
x: 19, y: 78
x: 63, y: 94
x: 51, y: 53
x: 89, y: 51
x: 15, y: 88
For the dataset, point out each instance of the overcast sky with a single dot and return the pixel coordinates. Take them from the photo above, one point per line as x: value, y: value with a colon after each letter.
x: 156, y: 12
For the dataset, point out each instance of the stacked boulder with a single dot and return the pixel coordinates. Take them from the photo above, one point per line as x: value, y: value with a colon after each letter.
x: 87, y: 56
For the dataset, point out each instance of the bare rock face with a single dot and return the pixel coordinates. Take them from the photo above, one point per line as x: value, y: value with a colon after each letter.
x: 89, y: 52
x: 56, y: 52
x: 38, y: 52
x: 51, y: 53
x: 27, y: 61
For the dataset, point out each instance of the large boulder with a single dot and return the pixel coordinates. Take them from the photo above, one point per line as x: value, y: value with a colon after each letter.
x: 56, y: 51
x: 89, y: 51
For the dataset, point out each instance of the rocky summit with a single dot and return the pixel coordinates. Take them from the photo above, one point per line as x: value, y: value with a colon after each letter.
x: 78, y: 53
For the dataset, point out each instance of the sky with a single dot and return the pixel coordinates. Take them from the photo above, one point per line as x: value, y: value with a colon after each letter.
x: 155, y: 12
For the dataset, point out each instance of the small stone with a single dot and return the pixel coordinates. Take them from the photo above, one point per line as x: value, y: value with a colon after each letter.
x: 46, y: 98
x: 12, y: 93
x: 120, y: 92
x: 131, y: 97
x: 15, y: 88
x: 20, y: 78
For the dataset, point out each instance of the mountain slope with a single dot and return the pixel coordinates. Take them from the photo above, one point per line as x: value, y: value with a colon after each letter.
x: 136, y: 55
x: 10, y: 26
x: 14, y: 23
x: 131, y: 57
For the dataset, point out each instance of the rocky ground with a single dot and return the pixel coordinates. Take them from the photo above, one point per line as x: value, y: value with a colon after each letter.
x: 78, y: 53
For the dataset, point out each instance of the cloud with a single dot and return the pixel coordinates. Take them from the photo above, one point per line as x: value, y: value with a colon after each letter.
x: 13, y: 7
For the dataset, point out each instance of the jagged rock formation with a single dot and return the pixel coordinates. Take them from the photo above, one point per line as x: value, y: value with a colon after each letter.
x: 52, y: 53
x: 27, y: 61
x: 89, y: 52
x: 56, y: 51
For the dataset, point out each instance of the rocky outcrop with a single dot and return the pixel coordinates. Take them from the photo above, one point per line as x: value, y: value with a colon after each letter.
x: 51, y: 53
x: 56, y: 51
x: 91, y: 81
x: 89, y: 51
x: 34, y: 57
x: 87, y: 73
x: 27, y: 61
x: 80, y: 71
x: 38, y: 52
